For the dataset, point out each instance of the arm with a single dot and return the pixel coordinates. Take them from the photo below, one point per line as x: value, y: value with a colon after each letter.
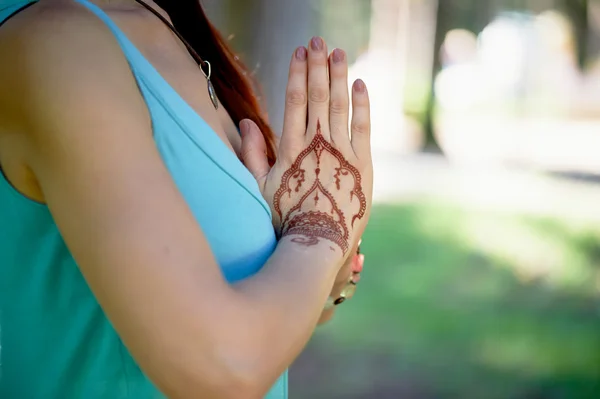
x: 89, y: 144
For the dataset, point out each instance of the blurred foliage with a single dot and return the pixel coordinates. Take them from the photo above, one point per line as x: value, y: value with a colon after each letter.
x: 474, y: 15
x: 465, y: 304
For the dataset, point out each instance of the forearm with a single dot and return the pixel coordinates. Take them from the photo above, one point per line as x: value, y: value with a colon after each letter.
x: 285, y: 301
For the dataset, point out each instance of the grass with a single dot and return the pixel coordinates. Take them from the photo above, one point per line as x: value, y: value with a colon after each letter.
x: 458, y: 303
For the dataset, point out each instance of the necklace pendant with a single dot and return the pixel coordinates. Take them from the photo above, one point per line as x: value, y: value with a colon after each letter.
x: 212, y: 94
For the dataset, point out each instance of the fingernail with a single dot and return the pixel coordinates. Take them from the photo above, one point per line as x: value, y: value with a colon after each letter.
x: 244, y: 126
x: 338, y: 55
x: 316, y: 43
x: 301, y: 53
x: 360, y: 86
x: 358, y: 265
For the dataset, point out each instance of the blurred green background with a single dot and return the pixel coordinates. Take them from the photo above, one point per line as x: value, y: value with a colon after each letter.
x: 482, y: 272
x: 454, y: 304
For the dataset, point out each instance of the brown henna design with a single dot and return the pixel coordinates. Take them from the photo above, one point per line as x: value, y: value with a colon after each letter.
x: 306, y: 241
x: 314, y: 224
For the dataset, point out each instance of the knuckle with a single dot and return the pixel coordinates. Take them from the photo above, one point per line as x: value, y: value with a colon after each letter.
x: 338, y: 106
x: 296, y: 98
x: 292, y: 149
x: 289, y: 158
x: 339, y: 131
x: 360, y: 127
x: 246, y: 151
x: 319, y: 95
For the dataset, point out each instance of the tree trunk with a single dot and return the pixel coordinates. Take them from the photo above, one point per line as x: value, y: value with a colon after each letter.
x: 577, y: 10
x: 265, y: 34
x: 442, y: 25
x: 276, y: 28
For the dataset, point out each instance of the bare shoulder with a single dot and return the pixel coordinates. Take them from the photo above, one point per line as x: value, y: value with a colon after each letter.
x: 57, y: 51
x: 50, y: 30
x: 65, y: 73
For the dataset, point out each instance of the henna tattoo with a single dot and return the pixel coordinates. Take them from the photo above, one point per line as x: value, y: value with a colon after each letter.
x: 325, y: 219
x: 307, y: 241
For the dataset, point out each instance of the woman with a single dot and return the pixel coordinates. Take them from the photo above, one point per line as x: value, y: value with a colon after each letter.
x: 138, y: 256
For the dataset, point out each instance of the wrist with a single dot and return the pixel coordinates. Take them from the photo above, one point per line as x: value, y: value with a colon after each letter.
x: 314, y: 249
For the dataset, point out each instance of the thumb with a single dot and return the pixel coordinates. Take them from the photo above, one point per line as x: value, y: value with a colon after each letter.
x: 254, y: 150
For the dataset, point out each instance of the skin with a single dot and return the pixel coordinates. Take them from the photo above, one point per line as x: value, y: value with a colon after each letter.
x: 57, y: 147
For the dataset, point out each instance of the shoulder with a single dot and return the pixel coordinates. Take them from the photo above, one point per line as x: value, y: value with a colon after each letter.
x: 47, y: 26
x: 57, y: 51
x: 67, y: 86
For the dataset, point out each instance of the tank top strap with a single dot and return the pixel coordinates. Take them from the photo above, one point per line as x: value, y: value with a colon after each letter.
x: 9, y: 8
x: 133, y: 55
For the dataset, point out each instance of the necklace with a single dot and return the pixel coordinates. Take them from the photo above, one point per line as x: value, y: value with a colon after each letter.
x: 211, y: 89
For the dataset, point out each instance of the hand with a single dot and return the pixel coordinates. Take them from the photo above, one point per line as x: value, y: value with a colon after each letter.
x: 349, y: 272
x: 321, y: 185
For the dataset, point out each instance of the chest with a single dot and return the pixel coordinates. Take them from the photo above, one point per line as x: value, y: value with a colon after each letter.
x: 192, y: 138
x: 169, y: 56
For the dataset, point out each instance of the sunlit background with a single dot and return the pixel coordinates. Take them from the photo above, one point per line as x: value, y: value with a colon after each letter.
x: 482, y: 274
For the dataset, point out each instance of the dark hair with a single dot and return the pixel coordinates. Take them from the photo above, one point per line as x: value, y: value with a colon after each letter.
x: 233, y: 83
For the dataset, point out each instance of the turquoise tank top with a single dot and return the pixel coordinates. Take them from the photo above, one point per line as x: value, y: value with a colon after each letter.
x: 55, y: 341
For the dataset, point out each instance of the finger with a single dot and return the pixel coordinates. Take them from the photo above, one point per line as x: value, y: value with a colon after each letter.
x: 341, y: 280
x: 296, y: 99
x: 318, y: 87
x: 340, y: 100
x: 254, y: 151
x: 358, y: 263
x: 361, y: 120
